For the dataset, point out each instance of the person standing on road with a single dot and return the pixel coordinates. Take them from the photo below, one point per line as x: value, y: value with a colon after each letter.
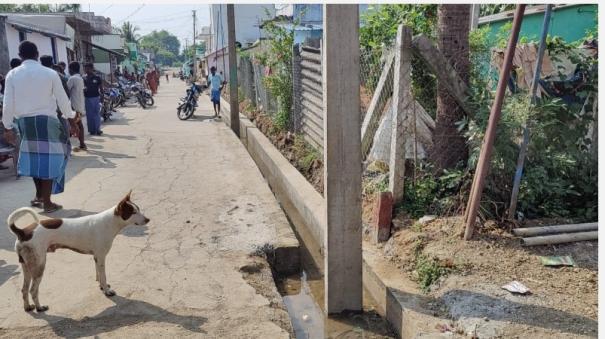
x: 216, y: 83
x: 75, y: 85
x: 93, y: 90
x: 31, y: 97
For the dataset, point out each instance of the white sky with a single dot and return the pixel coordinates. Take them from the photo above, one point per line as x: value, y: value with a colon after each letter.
x: 176, y: 19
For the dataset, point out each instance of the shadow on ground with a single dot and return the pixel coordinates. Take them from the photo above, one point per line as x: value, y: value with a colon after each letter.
x: 125, y: 312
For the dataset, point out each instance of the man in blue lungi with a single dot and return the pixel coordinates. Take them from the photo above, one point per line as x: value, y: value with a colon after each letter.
x: 32, y: 95
x: 216, y: 83
x: 93, y: 96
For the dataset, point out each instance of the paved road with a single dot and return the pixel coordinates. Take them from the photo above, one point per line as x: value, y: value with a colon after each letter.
x: 180, y: 275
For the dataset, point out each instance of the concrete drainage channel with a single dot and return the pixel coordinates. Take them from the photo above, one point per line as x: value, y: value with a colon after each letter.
x: 302, y: 287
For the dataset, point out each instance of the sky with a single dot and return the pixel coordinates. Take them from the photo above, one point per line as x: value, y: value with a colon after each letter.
x: 176, y: 19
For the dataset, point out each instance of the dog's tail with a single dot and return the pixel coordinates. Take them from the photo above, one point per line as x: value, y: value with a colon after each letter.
x: 15, y: 215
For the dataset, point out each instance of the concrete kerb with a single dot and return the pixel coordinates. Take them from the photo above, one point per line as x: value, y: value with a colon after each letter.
x: 285, y: 258
x: 396, y: 296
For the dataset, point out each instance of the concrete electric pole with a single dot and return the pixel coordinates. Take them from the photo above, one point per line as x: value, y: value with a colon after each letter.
x: 233, y: 97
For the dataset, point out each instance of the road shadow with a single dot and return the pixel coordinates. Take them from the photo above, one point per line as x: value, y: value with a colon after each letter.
x: 135, y: 231
x: 469, y: 304
x: 110, y: 155
x: 201, y: 118
x: 116, y: 136
x: 125, y: 312
x: 7, y: 271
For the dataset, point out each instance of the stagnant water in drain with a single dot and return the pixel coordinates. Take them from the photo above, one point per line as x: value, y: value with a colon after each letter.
x: 303, y: 298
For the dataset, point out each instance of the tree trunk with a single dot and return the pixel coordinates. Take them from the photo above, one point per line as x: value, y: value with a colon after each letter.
x: 453, y: 28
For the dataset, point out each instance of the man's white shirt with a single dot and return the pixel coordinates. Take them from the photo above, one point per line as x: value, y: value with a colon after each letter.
x: 32, y: 89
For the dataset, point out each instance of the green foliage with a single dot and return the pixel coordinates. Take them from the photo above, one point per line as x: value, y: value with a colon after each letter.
x: 161, y: 40
x: 279, y: 82
x: 128, y: 31
x: 305, y: 154
x: 429, y: 270
x: 165, y: 57
x: 430, y: 194
x: 39, y: 8
x: 378, y: 31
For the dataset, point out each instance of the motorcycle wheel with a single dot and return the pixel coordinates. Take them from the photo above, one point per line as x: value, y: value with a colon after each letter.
x: 149, y: 101
x: 142, y: 102
x: 184, y: 111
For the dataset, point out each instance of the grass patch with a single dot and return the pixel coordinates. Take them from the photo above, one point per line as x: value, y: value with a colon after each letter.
x: 427, y: 269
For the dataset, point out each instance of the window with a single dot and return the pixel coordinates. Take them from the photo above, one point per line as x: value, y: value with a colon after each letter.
x: 22, y: 36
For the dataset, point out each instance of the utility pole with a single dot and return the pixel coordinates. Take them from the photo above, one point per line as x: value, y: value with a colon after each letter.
x: 194, y: 51
x: 342, y: 159
x: 233, y: 97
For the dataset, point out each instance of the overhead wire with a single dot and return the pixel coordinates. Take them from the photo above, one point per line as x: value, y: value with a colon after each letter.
x: 131, y: 14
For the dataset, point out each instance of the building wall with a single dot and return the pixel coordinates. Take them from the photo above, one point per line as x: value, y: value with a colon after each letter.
x: 247, y: 21
x: 62, y: 51
x: 12, y: 40
x: 570, y: 23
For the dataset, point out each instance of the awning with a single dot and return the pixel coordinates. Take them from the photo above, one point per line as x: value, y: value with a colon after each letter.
x: 30, y: 28
x: 105, y: 49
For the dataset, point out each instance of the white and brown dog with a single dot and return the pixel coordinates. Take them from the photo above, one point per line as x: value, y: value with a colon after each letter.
x: 91, y: 234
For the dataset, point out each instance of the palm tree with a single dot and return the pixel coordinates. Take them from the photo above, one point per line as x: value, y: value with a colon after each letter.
x: 452, y: 36
x: 128, y: 32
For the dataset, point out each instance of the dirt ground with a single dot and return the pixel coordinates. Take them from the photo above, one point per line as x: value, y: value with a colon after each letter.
x: 285, y: 142
x: 563, y: 301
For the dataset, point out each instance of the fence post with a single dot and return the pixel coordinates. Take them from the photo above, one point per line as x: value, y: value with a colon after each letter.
x: 402, y: 104
x: 342, y: 159
x: 490, y: 134
x: 534, y: 89
x: 296, y: 89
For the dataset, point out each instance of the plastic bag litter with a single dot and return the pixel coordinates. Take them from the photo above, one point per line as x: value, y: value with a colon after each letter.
x: 516, y: 287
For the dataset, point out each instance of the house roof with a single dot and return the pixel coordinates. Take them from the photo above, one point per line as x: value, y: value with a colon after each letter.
x: 29, y: 27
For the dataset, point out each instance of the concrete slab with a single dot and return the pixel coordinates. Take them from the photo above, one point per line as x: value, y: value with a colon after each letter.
x: 178, y: 277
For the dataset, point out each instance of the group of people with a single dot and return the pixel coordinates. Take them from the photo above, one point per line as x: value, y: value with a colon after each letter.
x: 43, y: 107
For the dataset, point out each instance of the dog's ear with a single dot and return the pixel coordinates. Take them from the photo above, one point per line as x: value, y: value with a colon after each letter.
x: 124, y: 209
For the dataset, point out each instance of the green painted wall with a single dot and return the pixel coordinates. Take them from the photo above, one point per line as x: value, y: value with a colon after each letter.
x: 570, y: 23
x: 100, y: 56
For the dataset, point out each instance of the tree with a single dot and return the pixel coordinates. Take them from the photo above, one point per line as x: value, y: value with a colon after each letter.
x: 39, y: 8
x: 165, y: 57
x: 162, y: 40
x: 129, y: 32
x: 452, y: 37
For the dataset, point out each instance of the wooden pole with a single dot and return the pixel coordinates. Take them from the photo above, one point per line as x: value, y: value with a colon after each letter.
x: 233, y: 95
x: 342, y: 159
x: 402, y: 105
x: 490, y: 134
x: 525, y: 143
x: 560, y: 238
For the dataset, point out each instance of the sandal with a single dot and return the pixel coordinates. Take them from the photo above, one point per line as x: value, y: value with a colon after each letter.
x: 52, y: 208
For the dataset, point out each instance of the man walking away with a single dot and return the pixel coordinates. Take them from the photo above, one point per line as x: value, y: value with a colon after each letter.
x: 32, y: 95
x: 216, y: 85
x: 75, y: 85
x: 93, y: 89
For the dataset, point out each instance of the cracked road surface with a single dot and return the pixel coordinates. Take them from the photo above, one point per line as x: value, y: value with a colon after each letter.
x: 180, y: 275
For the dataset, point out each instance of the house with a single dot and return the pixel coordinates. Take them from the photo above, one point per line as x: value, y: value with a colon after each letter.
x: 48, y: 33
x: 570, y: 22
x: 108, y: 52
x: 306, y: 20
x: 248, y: 19
x: 65, y: 36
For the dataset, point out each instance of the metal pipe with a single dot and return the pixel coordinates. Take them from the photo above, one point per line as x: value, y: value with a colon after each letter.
x: 533, y: 231
x: 490, y: 134
x: 560, y: 238
x: 525, y: 143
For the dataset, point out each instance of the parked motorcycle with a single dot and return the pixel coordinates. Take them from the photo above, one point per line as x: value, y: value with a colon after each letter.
x: 188, y: 104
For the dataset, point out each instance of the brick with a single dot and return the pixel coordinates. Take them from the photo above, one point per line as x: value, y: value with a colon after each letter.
x: 383, y: 215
